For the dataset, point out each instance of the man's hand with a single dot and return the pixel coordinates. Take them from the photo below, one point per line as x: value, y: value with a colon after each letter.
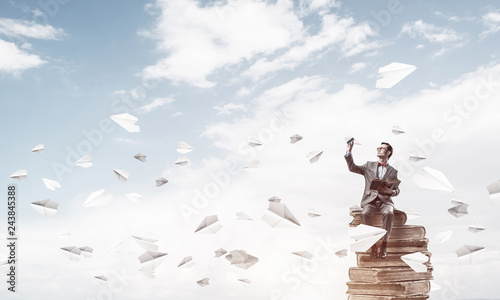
x: 349, y: 147
x: 385, y: 190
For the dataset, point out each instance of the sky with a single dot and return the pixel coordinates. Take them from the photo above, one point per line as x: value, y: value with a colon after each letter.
x: 216, y: 75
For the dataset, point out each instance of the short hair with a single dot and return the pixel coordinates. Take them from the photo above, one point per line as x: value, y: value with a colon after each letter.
x: 389, y: 148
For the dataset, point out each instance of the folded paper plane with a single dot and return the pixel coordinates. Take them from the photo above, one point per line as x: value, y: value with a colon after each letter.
x: 416, y: 156
x: 181, y: 161
x: 122, y: 175
x: 20, y: 175
x: 466, y: 252
x: 73, y: 253
x: 126, y: 121
x: 210, y: 224
x: 444, y: 236
x: 313, y: 213
x: 183, y: 148
x: 140, y: 157
x: 187, y: 262
x: 101, y: 278
x: 86, y: 251
x: 98, y: 198
x: 348, y: 138
x: 146, y: 243
x: 241, y: 259
x: 433, y: 179
x: 295, y: 138
x: 365, y: 236
x: 203, y: 282
x: 392, y: 74
x: 219, y: 252
x: 314, y: 156
x: 274, y: 199
x: 85, y: 161
x: 475, y: 227
x: 47, y: 207
x: 254, y: 164
x: 341, y: 253
x: 38, y: 148
x: 416, y: 261
x: 243, y: 216
x: 281, y: 217
x: 303, y: 254
x: 494, y: 192
x: 51, y: 184
x: 245, y: 280
x: 397, y: 130
x: 161, y: 181
x: 460, y: 208
x: 150, y: 260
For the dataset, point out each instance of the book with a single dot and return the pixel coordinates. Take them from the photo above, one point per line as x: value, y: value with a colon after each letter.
x: 407, y: 232
x: 373, y: 297
x: 406, y: 246
x: 399, y: 218
x: 375, y: 275
x: 392, y: 260
x: 376, y: 183
x: 401, y: 288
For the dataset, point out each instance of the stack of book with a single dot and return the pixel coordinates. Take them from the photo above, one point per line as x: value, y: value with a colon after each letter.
x: 391, y: 278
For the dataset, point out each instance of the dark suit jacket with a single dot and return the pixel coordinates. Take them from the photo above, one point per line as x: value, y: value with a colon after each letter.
x: 369, y: 171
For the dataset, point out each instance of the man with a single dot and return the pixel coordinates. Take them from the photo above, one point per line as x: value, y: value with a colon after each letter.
x: 376, y: 200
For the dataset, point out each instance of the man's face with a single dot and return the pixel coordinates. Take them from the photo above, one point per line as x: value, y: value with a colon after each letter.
x: 382, y: 151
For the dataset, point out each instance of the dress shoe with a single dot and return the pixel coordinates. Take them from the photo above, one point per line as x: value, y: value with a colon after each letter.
x: 383, y: 251
x: 373, y: 253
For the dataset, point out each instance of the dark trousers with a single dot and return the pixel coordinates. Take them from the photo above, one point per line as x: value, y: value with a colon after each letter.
x: 387, y: 211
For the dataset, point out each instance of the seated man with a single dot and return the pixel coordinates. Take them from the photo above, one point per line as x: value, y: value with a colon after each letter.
x: 376, y: 200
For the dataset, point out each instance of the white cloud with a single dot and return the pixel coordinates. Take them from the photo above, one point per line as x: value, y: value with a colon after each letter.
x: 341, y: 33
x: 177, y: 114
x: 307, y: 7
x: 228, y: 108
x: 357, y: 67
x: 14, y: 60
x: 430, y: 32
x: 29, y: 29
x: 492, y: 22
x: 158, y: 102
x: 453, y: 18
x: 217, y: 35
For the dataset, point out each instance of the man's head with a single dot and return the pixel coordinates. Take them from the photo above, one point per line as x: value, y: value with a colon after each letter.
x: 384, y: 151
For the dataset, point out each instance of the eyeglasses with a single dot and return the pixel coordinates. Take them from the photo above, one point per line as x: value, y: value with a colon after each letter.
x: 381, y: 148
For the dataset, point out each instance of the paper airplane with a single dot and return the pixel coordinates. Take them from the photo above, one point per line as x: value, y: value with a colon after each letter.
x: 397, y: 130
x: 274, y: 199
x: 254, y: 164
x: 392, y: 74
x: 20, y: 175
x: 85, y: 161
x: 150, y: 260
x: 245, y: 280
x: 295, y: 138
x: 73, y: 253
x: 416, y: 156
x: 122, y: 175
x: 187, y: 262
x: 356, y: 142
x: 475, y: 227
x: 243, y: 216
x: 147, y: 244
x: 161, y: 181
x: 134, y: 197
x: 341, y: 253
x: 466, y: 252
x: 434, y: 286
x: 62, y: 234
x: 203, y: 282
x: 281, y: 217
x: 86, y: 251
x: 494, y: 191
x: 444, y: 236
x: 219, y: 252
x: 254, y: 142
x: 140, y: 157
x: 313, y: 213
x: 51, y: 184
x: 304, y: 254
x: 460, y: 208
x: 101, y: 278
x: 416, y: 261
x: 314, y: 156
x: 47, y: 208
x: 210, y: 224
x: 38, y: 148
x: 433, y: 179
x: 241, y: 259
x: 183, y: 148
x: 98, y: 198
x: 181, y: 161
x: 365, y: 236
x: 126, y: 121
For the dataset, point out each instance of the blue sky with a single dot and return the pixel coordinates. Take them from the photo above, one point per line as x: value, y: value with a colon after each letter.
x: 214, y: 74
